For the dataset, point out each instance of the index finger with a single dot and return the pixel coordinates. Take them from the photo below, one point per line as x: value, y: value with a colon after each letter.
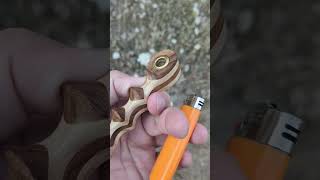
x: 120, y: 84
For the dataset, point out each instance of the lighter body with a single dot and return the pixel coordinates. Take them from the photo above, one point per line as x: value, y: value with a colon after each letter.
x: 259, y: 161
x: 174, y: 148
x: 264, y: 142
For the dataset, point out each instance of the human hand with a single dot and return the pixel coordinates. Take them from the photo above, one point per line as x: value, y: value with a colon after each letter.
x: 32, y: 70
x: 135, y: 154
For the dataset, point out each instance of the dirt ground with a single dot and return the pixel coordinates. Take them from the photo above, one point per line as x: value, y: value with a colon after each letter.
x: 143, y: 27
x: 272, y: 54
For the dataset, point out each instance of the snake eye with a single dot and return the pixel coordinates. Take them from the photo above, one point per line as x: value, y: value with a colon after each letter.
x: 161, y: 62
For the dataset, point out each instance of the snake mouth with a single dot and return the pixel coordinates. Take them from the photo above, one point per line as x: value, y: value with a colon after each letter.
x: 161, y: 62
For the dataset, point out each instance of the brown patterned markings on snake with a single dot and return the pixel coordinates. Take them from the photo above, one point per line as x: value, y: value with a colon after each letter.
x: 113, y: 138
x: 136, y: 93
x: 160, y: 66
x: 118, y: 114
x: 167, y: 82
x: 84, y: 101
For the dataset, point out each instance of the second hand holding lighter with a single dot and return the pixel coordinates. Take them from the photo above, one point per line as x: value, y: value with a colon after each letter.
x: 174, y: 148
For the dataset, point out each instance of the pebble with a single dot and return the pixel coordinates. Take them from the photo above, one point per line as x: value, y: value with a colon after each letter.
x: 124, y: 36
x: 142, y: 6
x: 115, y: 55
x: 197, y: 20
x: 152, y: 51
x: 196, y: 8
x: 186, y: 68
x: 196, y: 31
x: 155, y: 6
x: 144, y: 58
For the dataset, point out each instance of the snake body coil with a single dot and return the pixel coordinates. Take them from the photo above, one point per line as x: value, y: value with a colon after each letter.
x: 163, y: 71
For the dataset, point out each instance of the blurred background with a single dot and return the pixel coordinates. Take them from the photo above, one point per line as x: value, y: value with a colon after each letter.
x: 77, y: 23
x: 272, y: 54
x: 141, y: 28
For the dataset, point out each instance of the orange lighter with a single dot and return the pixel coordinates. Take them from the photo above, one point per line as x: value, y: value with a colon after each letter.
x: 263, y: 143
x: 174, y: 148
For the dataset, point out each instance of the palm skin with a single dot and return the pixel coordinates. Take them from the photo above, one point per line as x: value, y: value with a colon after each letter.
x: 135, y: 154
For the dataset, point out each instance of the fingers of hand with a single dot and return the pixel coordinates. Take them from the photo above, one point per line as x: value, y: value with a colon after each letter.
x: 200, y: 134
x: 186, y: 160
x: 120, y: 84
x: 163, y: 119
x: 158, y: 102
x: 171, y: 121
